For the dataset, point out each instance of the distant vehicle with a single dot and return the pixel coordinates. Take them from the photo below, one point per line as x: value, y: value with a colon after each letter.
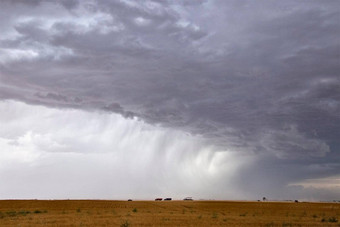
x: 296, y: 201
x: 167, y: 199
x: 158, y: 199
x: 188, y: 198
x: 129, y: 199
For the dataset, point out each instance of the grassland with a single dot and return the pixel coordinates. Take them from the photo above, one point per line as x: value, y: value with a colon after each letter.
x: 166, y: 213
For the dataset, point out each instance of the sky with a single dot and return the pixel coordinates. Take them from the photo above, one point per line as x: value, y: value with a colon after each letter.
x: 214, y: 99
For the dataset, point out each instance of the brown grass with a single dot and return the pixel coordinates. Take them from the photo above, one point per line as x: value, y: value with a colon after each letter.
x: 166, y: 213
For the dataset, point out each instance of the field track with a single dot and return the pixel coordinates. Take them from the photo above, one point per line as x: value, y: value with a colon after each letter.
x: 166, y: 213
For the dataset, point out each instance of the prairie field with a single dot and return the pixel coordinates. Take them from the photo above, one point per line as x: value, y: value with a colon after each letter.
x: 166, y: 213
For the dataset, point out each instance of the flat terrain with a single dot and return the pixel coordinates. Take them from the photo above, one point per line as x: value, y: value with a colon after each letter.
x: 166, y: 213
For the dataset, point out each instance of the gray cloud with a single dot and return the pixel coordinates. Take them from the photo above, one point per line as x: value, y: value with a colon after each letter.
x: 257, y: 77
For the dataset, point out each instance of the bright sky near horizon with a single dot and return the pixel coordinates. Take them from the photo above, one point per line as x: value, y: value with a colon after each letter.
x: 132, y: 99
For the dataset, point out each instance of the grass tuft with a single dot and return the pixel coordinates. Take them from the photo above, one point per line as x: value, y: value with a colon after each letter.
x: 125, y: 224
x: 332, y: 219
x: 24, y: 212
x: 214, y: 215
x: 11, y: 213
x: 243, y: 215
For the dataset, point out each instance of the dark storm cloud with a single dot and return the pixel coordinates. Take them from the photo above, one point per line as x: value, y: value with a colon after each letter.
x: 68, y: 4
x: 256, y: 77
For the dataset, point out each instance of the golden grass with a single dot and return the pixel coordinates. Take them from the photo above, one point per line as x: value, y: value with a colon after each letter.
x: 166, y: 213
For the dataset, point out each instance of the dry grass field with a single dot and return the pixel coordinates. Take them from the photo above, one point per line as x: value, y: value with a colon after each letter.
x: 166, y: 213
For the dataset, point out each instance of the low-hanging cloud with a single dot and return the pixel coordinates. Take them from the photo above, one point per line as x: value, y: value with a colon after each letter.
x: 77, y: 154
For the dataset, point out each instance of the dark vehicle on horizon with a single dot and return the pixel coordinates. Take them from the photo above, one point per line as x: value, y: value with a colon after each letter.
x: 158, y: 199
x: 167, y: 199
x: 188, y: 198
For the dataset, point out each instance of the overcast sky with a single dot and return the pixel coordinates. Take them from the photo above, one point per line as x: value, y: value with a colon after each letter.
x: 229, y: 99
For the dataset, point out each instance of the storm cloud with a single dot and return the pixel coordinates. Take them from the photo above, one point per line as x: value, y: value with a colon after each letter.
x: 255, y: 79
